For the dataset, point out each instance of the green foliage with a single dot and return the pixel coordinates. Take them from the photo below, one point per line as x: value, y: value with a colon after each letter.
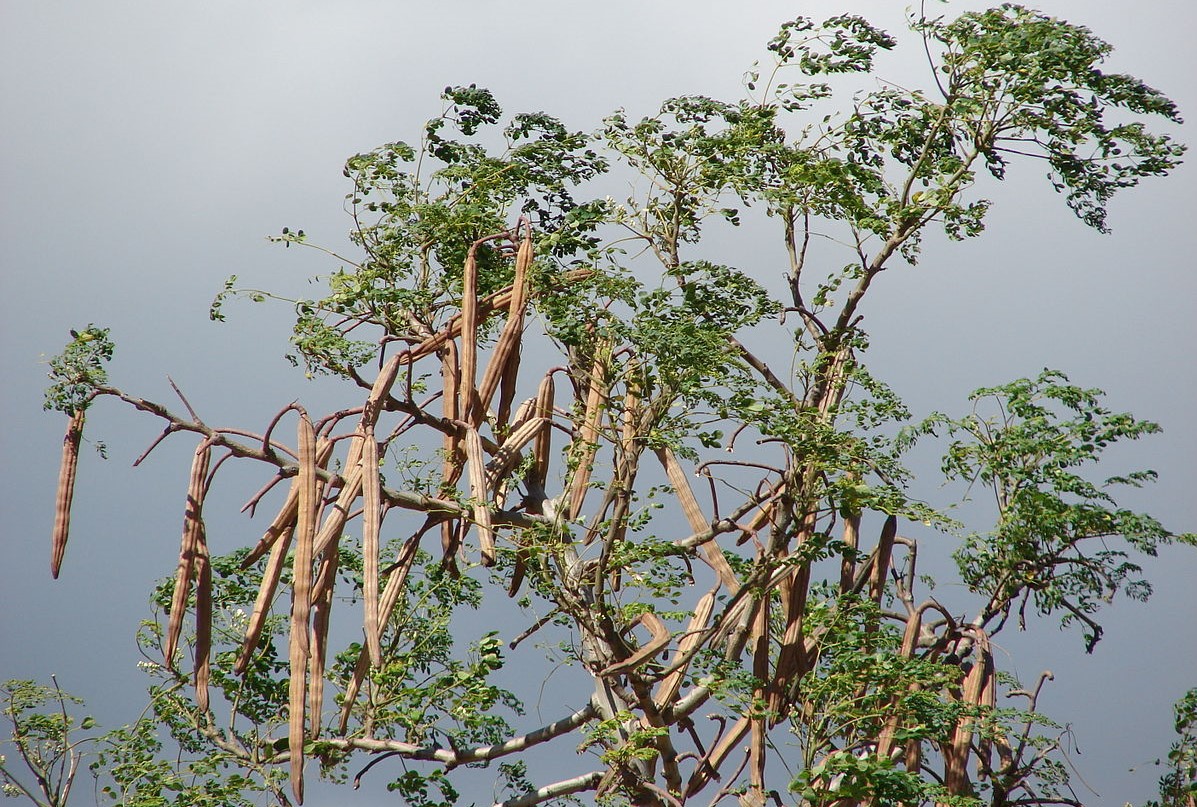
x: 1034, y: 84
x: 78, y: 370
x: 42, y: 725
x: 1028, y: 442
x: 1178, y: 787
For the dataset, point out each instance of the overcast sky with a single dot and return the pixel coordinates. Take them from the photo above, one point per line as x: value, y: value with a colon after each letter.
x: 147, y: 147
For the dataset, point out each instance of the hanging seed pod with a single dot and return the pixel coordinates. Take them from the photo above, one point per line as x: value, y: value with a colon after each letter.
x: 305, y: 534
x: 478, y: 492
x: 910, y: 640
x: 270, y: 578
x: 885, y: 548
x: 587, y: 443
x: 66, y: 491
x: 188, y: 546
x: 852, y: 543
x: 670, y: 685
x: 508, y: 454
x: 544, y: 440
x: 371, y: 527
x: 630, y: 418
x: 322, y: 600
x: 711, y: 552
x: 504, y: 362
x: 203, y: 620
x: 469, y: 337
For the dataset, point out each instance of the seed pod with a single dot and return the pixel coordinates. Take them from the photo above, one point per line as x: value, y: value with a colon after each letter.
x: 469, y: 337
x: 586, y: 444
x: 668, y: 688
x: 301, y: 594
x: 711, y: 552
x: 322, y: 600
x: 371, y: 527
x: 203, y: 620
x: 540, y: 451
x: 508, y: 454
x: 885, y: 547
x: 478, y: 492
x: 188, y: 546
x: 66, y: 491
x: 505, y: 360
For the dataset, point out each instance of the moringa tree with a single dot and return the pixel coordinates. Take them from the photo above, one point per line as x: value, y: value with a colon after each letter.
x: 680, y: 475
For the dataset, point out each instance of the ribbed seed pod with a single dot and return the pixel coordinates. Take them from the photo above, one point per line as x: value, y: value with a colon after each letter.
x: 587, y: 442
x: 301, y: 594
x: 192, y: 529
x: 478, y: 492
x: 66, y: 491
x: 371, y: 528
x: 711, y: 551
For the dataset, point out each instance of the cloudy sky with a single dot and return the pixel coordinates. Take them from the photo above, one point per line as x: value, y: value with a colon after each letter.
x: 147, y: 147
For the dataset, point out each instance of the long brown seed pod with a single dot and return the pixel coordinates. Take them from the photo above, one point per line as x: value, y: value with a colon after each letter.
x: 848, y: 562
x: 792, y: 657
x: 372, y: 503
x: 508, y: 386
x: 508, y: 454
x: 587, y: 441
x: 478, y: 492
x: 270, y: 578
x: 322, y: 599
x: 66, y: 490
x: 711, y: 552
x: 452, y: 464
x: 371, y: 527
x: 192, y: 527
x: 670, y: 685
x: 629, y: 429
x: 523, y: 413
x: 885, y: 548
x: 544, y: 440
x: 301, y: 593
x: 203, y: 619
x: 451, y: 379
x: 469, y: 336
x: 278, y: 538
x: 956, y: 760
x: 507, y: 348
x: 910, y: 639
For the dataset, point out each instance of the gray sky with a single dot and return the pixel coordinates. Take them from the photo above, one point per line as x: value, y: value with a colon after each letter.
x: 147, y: 148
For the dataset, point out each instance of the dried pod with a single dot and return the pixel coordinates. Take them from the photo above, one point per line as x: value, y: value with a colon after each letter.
x: 66, y: 491
x: 371, y: 527
x: 478, y: 492
x: 711, y: 552
x: 305, y: 535
x: 469, y: 337
x: 188, y: 546
x: 586, y: 444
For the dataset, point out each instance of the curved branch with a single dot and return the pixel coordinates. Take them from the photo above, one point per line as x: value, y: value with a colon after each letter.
x: 587, y: 781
